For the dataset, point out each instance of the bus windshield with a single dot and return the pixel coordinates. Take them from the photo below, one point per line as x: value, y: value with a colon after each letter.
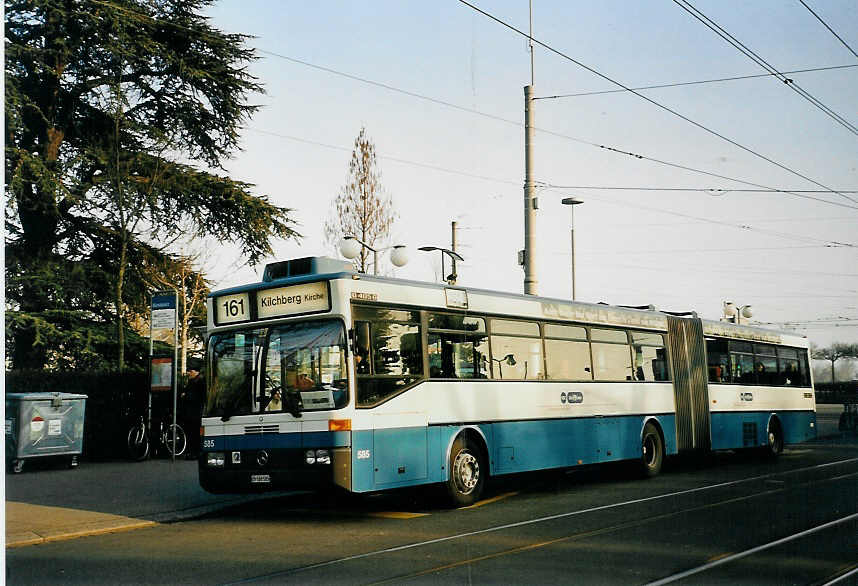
x: 289, y: 368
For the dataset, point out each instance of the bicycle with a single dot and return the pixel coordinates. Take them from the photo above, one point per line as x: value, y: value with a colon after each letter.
x: 138, y: 441
x: 168, y: 435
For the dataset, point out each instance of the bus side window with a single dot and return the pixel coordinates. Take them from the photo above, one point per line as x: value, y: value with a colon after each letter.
x: 517, y: 352
x: 611, y: 355
x: 388, y: 352
x: 718, y: 360
x: 649, y: 357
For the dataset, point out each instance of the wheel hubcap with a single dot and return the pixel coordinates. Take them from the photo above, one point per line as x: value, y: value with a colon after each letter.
x: 466, y: 472
x: 648, y: 452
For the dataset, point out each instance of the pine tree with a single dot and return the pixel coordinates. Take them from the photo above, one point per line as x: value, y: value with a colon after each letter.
x: 118, y: 117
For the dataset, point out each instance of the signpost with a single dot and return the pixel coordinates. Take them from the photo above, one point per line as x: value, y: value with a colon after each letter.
x: 162, y: 369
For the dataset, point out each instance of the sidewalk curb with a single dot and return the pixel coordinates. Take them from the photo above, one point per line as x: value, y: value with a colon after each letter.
x: 30, y: 538
x: 102, y: 523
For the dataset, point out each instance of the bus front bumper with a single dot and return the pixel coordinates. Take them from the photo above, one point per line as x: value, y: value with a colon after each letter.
x: 248, y: 471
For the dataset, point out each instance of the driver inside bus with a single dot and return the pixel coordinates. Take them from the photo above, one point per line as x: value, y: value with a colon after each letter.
x: 275, y: 403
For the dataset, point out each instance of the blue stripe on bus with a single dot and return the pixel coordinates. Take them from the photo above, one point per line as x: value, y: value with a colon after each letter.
x: 748, y: 429
x: 391, y: 458
x: 316, y: 439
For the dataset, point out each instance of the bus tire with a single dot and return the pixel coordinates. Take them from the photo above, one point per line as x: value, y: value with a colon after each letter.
x: 652, y: 451
x: 468, y: 472
x: 774, y: 439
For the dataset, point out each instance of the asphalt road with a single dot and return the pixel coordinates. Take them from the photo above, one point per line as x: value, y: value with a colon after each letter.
x: 732, y: 519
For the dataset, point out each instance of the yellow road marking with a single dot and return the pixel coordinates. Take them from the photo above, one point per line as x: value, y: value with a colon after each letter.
x: 396, y: 515
x: 494, y: 499
x: 719, y: 557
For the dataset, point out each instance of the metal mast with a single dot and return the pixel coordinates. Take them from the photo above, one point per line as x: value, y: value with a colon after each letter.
x: 530, y: 202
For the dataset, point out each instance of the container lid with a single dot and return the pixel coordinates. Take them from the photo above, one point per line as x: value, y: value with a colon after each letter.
x: 43, y: 396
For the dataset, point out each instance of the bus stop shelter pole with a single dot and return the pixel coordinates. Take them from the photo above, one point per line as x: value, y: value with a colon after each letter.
x: 175, y: 371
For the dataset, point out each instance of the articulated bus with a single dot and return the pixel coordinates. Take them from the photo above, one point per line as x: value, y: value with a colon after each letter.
x: 320, y: 376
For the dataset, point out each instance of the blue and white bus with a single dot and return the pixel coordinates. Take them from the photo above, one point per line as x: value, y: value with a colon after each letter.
x: 322, y: 376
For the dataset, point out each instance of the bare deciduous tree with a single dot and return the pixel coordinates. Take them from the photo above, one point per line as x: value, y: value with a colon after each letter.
x: 362, y: 209
x: 834, y: 353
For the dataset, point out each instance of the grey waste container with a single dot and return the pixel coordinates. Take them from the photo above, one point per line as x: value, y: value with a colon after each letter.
x: 43, y: 424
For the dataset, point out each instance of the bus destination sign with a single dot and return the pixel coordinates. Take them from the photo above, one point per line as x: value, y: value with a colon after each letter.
x: 232, y: 308
x: 282, y: 301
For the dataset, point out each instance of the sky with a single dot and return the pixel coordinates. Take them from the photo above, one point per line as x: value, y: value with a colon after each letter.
x: 439, y: 88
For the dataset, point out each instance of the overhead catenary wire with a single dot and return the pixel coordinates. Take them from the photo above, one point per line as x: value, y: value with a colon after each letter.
x: 457, y: 172
x: 146, y: 17
x: 649, y: 251
x: 801, y: 194
x: 831, y: 30
x: 697, y: 82
x: 747, y: 227
x: 745, y: 50
x: 482, y: 114
x: 755, y: 221
x: 652, y: 101
x: 710, y: 190
x: 387, y: 157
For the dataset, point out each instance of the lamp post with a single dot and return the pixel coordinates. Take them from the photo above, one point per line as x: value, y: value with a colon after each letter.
x: 572, y: 202
x: 350, y: 248
x: 454, y: 256
x: 734, y: 313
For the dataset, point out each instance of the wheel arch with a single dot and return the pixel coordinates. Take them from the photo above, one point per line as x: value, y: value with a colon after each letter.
x: 775, y: 420
x: 658, y: 427
x: 473, y: 433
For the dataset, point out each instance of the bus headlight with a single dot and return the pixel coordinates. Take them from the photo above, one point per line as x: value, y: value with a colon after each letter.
x: 317, y: 457
x: 215, y: 459
x: 323, y: 457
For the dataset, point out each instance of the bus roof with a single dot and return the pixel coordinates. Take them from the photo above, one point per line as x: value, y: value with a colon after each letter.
x: 314, y: 269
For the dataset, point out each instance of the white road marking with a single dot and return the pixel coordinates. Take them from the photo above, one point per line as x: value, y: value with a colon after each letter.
x: 408, y: 546
x: 752, y: 551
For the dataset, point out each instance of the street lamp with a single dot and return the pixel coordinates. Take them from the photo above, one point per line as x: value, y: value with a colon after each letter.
x: 509, y: 359
x: 572, y: 202
x: 734, y: 313
x: 454, y: 256
x: 350, y: 248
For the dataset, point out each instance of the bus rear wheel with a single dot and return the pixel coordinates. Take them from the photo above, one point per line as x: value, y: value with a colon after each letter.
x: 652, y: 451
x: 468, y: 472
x: 774, y: 440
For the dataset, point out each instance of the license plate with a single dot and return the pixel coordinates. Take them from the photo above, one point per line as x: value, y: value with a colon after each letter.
x: 260, y: 479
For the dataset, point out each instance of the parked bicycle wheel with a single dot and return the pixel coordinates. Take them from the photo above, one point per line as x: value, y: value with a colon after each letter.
x: 181, y: 439
x: 138, y: 442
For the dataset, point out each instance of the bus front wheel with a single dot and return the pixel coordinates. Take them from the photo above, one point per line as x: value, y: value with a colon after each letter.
x: 468, y: 471
x: 652, y: 451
